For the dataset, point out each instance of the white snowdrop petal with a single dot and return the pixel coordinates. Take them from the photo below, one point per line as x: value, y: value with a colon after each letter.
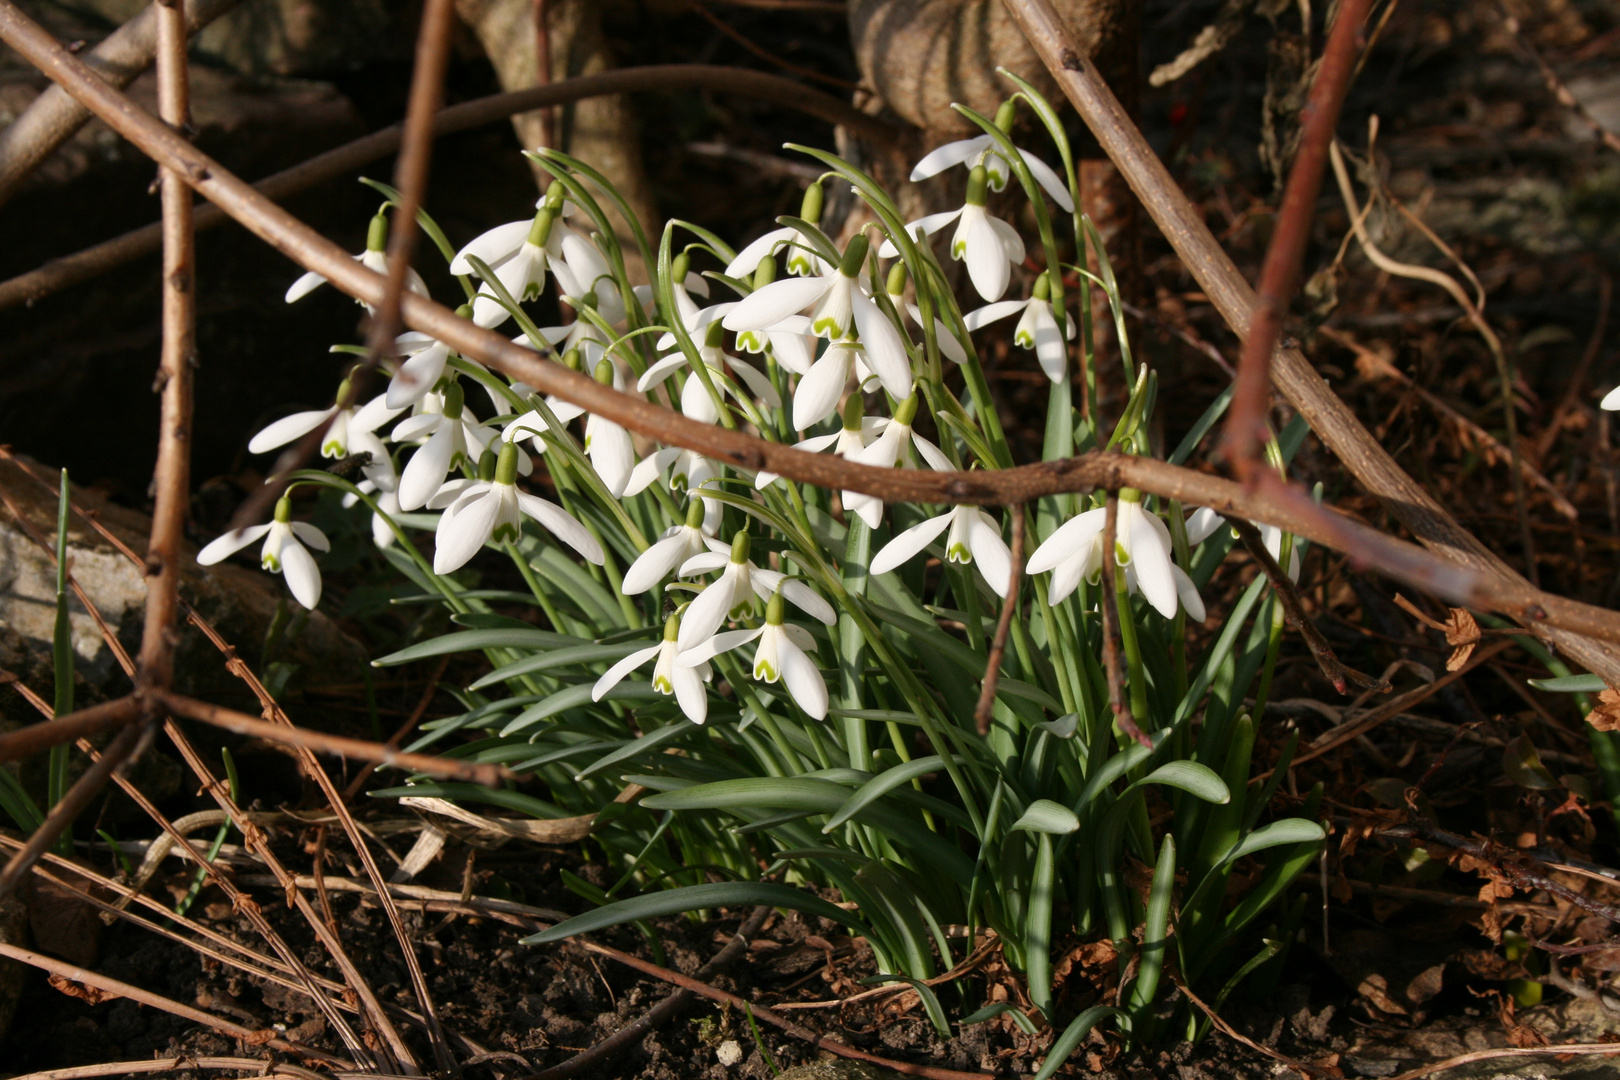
x: 416, y: 377
x: 749, y: 258
x: 986, y: 258
x: 562, y: 525
x: 807, y: 600
x: 310, y: 535
x: 990, y: 552
x: 817, y: 395
x: 1066, y: 577
x: 690, y: 692
x: 461, y: 534
x: 866, y: 507
x: 803, y: 680
x: 1187, y: 593
x: 612, y: 453
x: 908, y: 544
x: 415, y: 427
x: 885, y: 350
x: 1611, y: 400
x: 758, y: 383
x: 713, y: 645
x: 303, y: 576
x: 988, y: 314
x: 1050, y: 349
x: 449, y: 492
x: 306, y: 284
x: 704, y: 562
x: 426, y: 470
x: 1048, y: 179
x: 1068, y: 539
x: 932, y: 454
x: 288, y: 428
x: 223, y: 547
x: 493, y: 247
x: 930, y: 224
x: 1202, y: 525
x: 764, y: 307
x: 941, y: 158
x: 1011, y: 243
x: 948, y: 344
x: 616, y: 674
x: 1151, y: 562
x: 799, y: 636
x: 704, y: 615
x: 651, y: 565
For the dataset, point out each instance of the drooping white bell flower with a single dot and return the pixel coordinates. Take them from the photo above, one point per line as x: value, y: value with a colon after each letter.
x: 283, y: 552
x: 375, y: 257
x: 608, y: 445
x: 684, y: 681
x: 949, y: 346
x: 841, y: 308
x: 335, y: 441
x: 678, y: 544
x: 798, y: 254
x: 424, y: 360
x: 989, y: 246
x: 1203, y: 522
x: 893, y: 449
x: 493, y: 509
x: 789, y: 341
x: 854, y: 435
x: 1037, y: 329
x: 696, y: 401
x: 688, y: 471
x: 740, y: 580
x: 974, y: 538
x: 519, y: 253
x: 1611, y: 400
x: 586, y: 280
x: 983, y: 151
x: 1142, y: 548
x: 781, y: 655
x: 380, y: 478
x: 454, y: 439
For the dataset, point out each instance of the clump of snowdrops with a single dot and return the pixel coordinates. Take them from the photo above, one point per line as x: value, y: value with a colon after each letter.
x: 793, y: 672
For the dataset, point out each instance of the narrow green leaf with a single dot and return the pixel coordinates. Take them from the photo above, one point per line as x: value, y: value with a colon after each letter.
x: 1048, y: 818
x: 1069, y: 1041
x: 1571, y: 684
x: 694, y: 898
x: 578, y: 654
x: 881, y: 785
x: 472, y: 640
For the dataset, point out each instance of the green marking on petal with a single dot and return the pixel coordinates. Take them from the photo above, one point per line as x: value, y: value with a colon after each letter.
x: 764, y: 672
x: 662, y: 684
x: 271, y: 563
x: 506, y: 532
x: 958, y: 553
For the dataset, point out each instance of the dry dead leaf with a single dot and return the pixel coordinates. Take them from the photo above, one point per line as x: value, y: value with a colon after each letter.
x: 95, y: 995
x: 1605, y: 716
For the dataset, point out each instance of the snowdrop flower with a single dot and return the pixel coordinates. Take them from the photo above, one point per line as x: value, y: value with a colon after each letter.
x: 1037, y: 328
x: 684, y: 681
x: 780, y: 655
x: 381, y: 479
x: 486, y: 510
x: 586, y: 280
x: 375, y: 257
x: 856, y: 433
x: 789, y: 341
x: 841, y: 308
x: 689, y: 471
x: 609, y: 446
x: 454, y: 439
x: 983, y: 151
x: 518, y: 253
x: 740, y: 580
x: 896, y: 288
x: 1611, y: 400
x: 335, y: 443
x: 1203, y: 522
x: 990, y: 246
x: 678, y: 544
x: 424, y: 361
x: 798, y: 253
x: 696, y: 402
x: 974, y: 538
x: 1141, y: 547
x: 892, y: 449
x: 283, y: 551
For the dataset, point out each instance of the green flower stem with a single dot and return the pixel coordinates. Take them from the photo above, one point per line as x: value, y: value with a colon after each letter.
x: 739, y: 679
x: 1133, y: 651
x: 535, y: 587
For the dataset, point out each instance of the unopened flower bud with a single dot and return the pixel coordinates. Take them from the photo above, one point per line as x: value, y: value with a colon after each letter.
x: 1007, y: 114
x: 604, y: 372
x: 679, y: 267
x: 897, y: 279
x: 486, y: 464
x: 572, y: 361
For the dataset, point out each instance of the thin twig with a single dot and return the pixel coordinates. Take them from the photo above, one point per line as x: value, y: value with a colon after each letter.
x: 1246, y: 430
x: 93, y: 720
x: 1337, y: 673
x: 54, y: 117
x: 171, y: 480
x: 115, y: 988
x: 281, y: 1070
x: 984, y: 712
x: 1237, y: 1036
x: 1298, y: 380
x: 1110, y: 628
x: 665, y: 1010
x: 72, y: 269
x: 359, y: 749
x: 760, y: 1012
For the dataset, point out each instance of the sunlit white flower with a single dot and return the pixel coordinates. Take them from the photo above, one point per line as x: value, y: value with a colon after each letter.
x: 696, y: 401
x: 684, y: 681
x: 739, y: 582
x: 854, y: 435
x: 380, y: 479
x: 1611, y: 400
x: 893, y: 449
x: 949, y: 346
x: 974, y: 538
x: 586, y: 280
x: 688, y: 471
x: 283, y: 552
x: 1037, y: 329
x: 1141, y: 547
x: 518, y: 253
x: 678, y: 544
x: 983, y: 151
x: 335, y: 441
x: 780, y: 655
x: 454, y: 439
x: 988, y: 245
x: 375, y: 257
x: 607, y: 444
x: 798, y: 254
x: 486, y: 510
x: 424, y: 359
x: 1203, y: 522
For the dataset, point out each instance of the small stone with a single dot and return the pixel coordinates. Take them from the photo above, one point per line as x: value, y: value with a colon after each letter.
x: 729, y: 1053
